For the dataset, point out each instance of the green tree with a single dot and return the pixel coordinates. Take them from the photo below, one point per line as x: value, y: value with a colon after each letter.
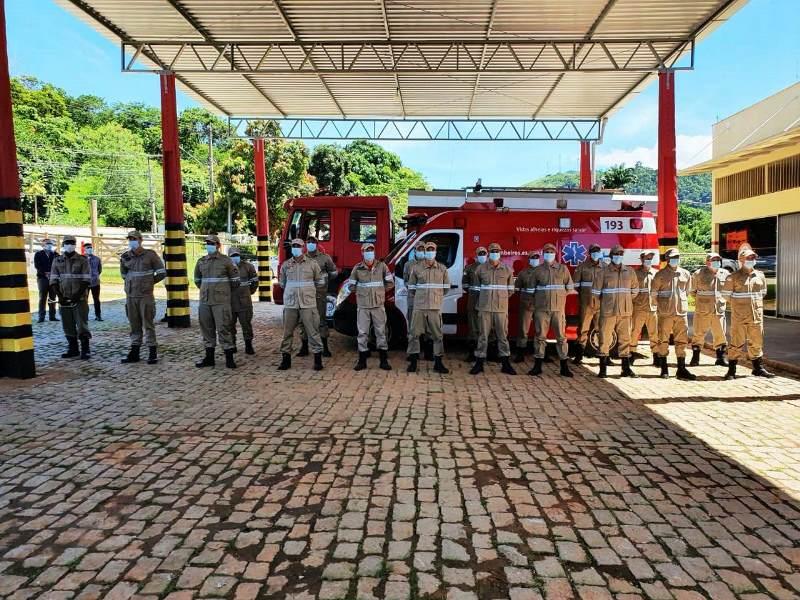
x: 88, y: 111
x: 564, y: 180
x: 617, y: 177
x: 330, y: 165
x: 142, y: 120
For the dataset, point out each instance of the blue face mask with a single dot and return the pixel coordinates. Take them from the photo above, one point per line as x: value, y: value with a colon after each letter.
x: 88, y: 251
x: 297, y: 252
x: 481, y: 258
x: 616, y: 259
x: 311, y: 246
x: 430, y: 254
x: 494, y: 256
x: 549, y: 257
x: 419, y: 254
x: 133, y: 244
x: 236, y: 259
x: 715, y: 264
x: 597, y: 255
x: 369, y: 256
x: 647, y: 262
x: 750, y: 264
x: 211, y: 248
x: 49, y: 247
x: 674, y: 262
x: 534, y: 262
x: 69, y: 247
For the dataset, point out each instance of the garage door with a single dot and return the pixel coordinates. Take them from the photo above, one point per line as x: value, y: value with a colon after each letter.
x: 789, y: 265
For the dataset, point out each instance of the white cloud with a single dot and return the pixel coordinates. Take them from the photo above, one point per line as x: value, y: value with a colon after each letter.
x: 692, y: 149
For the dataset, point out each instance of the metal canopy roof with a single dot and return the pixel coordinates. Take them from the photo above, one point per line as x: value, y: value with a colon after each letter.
x: 415, y: 59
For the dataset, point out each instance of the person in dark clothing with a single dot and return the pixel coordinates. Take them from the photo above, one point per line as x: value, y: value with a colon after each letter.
x: 95, y: 268
x: 43, y: 262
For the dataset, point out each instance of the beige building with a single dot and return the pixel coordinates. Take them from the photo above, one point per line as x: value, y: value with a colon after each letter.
x: 755, y: 167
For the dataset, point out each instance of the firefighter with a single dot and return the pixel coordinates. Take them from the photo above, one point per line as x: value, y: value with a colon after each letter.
x: 141, y: 269
x: 584, y: 276
x: 746, y: 288
x: 241, y: 301
x: 300, y: 277
x: 670, y: 290
x: 524, y: 285
x: 709, y: 308
x: 551, y: 282
x: 473, y: 291
x: 496, y: 282
x: 613, y: 292
x: 644, y: 310
x: 218, y: 278
x: 415, y: 257
x: 329, y: 273
x: 371, y: 278
x: 95, y: 269
x: 428, y: 282
x: 43, y: 262
x: 69, y: 281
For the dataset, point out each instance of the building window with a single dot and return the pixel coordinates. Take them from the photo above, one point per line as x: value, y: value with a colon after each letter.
x: 784, y: 174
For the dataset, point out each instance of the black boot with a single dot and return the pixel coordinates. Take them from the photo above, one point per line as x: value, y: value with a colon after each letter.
x: 133, y: 355
x: 537, y: 367
x: 721, y: 357
x: 578, y: 358
x: 325, y: 350
x: 603, y: 368
x: 318, y: 361
x: 759, y: 370
x: 695, y: 357
x: 626, y: 368
x: 507, y: 368
x: 72, y: 348
x: 471, y: 355
x: 427, y: 349
x: 682, y: 372
x: 384, y: 358
x: 438, y: 366
x: 632, y: 358
x: 664, y: 367
x: 519, y: 356
x: 152, y: 355
x: 731, y: 374
x: 565, y: 372
x: 303, y: 348
x: 53, y: 317
x: 286, y: 362
x: 477, y: 367
x: 656, y: 360
x: 97, y: 316
x: 235, y: 348
x: 85, y: 352
x: 208, y: 361
x: 229, y: 363
x: 412, y: 363
x: 589, y: 351
x: 362, y: 362
x: 248, y: 347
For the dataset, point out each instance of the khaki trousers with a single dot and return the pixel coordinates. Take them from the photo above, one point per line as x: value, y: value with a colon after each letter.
x: 75, y: 319
x: 701, y: 325
x: 309, y: 317
x: 376, y: 318
x: 322, y: 307
x: 642, y: 320
x: 492, y: 322
x: 525, y: 318
x: 751, y: 334
x: 141, y: 313
x: 245, y: 319
x: 622, y: 327
x: 426, y: 322
x: 472, y: 318
x: 544, y: 321
x: 587, y: 316
x: 216, y: 320
x: 677, y: 327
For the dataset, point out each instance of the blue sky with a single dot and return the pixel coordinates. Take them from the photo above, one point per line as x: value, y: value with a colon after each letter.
x: 753, y: 55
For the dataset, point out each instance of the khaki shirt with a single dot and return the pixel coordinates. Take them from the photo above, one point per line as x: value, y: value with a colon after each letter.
x: 584, y: 277
x: 327, y: 267
x: 428, y: 284
x: 71, y: 275
x: 615, y: 287
x: 643, y: 302
x: 370, y: 284
x: 468, y: 280
x: 526, y: 286
x: 670, y: 290
x: 407, y: 268
x: 746, y: 292
x: 496, y: 284
x: 299, y: 277
x: 141, y: 269
x: 248, y: 284
x: 552, y: 282
x: 216, y: 276
x: 707, y: 291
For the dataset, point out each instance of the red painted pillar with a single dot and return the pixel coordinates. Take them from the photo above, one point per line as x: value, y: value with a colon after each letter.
x: 16, y: 333
x: 667, y: 222
x: 586, y: 166
x: 174, y: 236
x: 263, y: 254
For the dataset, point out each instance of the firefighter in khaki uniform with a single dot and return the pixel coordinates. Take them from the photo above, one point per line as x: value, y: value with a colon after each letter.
x: 414, y: 258
x: 613, y: 291
x: 670, y: 290
x: 746, y: 288
x: 644, y: 310
x: 329, y: 273
x: 552, y: 282
x: 428, y: 282
x: 69, y: 282
x: 300, y: 277
x: 241, y: 301
x: 217, y: 277
x: 496, y: 282
x: 583, y: 277
x: 141, y: 269
x: 709, y: 308
x: 371, y: 278
x: 473, y: 291
x: 524, y: 285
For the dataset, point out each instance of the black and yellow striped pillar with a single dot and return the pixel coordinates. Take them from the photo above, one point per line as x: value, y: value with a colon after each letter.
x: 264, y: 256
x: 177, y: 278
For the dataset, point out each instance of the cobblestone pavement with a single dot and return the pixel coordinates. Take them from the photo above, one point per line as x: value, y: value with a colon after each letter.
x: 123, y: 481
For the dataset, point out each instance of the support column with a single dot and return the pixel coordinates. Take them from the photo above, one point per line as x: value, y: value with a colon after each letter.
x: 16, y: 333
x: 667, y: 221
x: 262, y: 223
x: 586, y: 166
x: 174, y: 237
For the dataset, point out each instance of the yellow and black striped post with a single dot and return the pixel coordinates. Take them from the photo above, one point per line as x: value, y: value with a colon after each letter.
x: 262, y: 223
x: 264, y: 256
x: 16, y: 333
x: 177, y: 282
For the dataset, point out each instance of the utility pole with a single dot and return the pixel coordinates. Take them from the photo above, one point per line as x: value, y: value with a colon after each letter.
x: 153, y: 219
x: 93, y: 200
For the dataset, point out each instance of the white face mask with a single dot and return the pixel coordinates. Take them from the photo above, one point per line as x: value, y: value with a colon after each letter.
x: 369, y: 256
x: 715, y: 264
x: 534, y: 262
x: 211, y: 248
x: 430, y: 254
x: 494, y: 256
x: 69, y: 247
x: 597, y: 255
x: 647, y: 262
x: 674, y: 262
x: 616, y: 259
x: 88, y: 251
x: 133, y: 244
x: 481, y: 258
x: 549, y: 257
x: 419, y: 254
x: 750, y: 265
x: 49, y: 247
x: 236, y: 259
x: 311, y: 246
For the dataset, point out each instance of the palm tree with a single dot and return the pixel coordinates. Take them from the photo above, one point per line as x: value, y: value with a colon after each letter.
x: 617, y: 177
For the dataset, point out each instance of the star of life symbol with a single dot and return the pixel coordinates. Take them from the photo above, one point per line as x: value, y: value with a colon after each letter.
x: 573, y: 254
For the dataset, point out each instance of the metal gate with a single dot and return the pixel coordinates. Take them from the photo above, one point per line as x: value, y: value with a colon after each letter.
x: 788, y: 265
